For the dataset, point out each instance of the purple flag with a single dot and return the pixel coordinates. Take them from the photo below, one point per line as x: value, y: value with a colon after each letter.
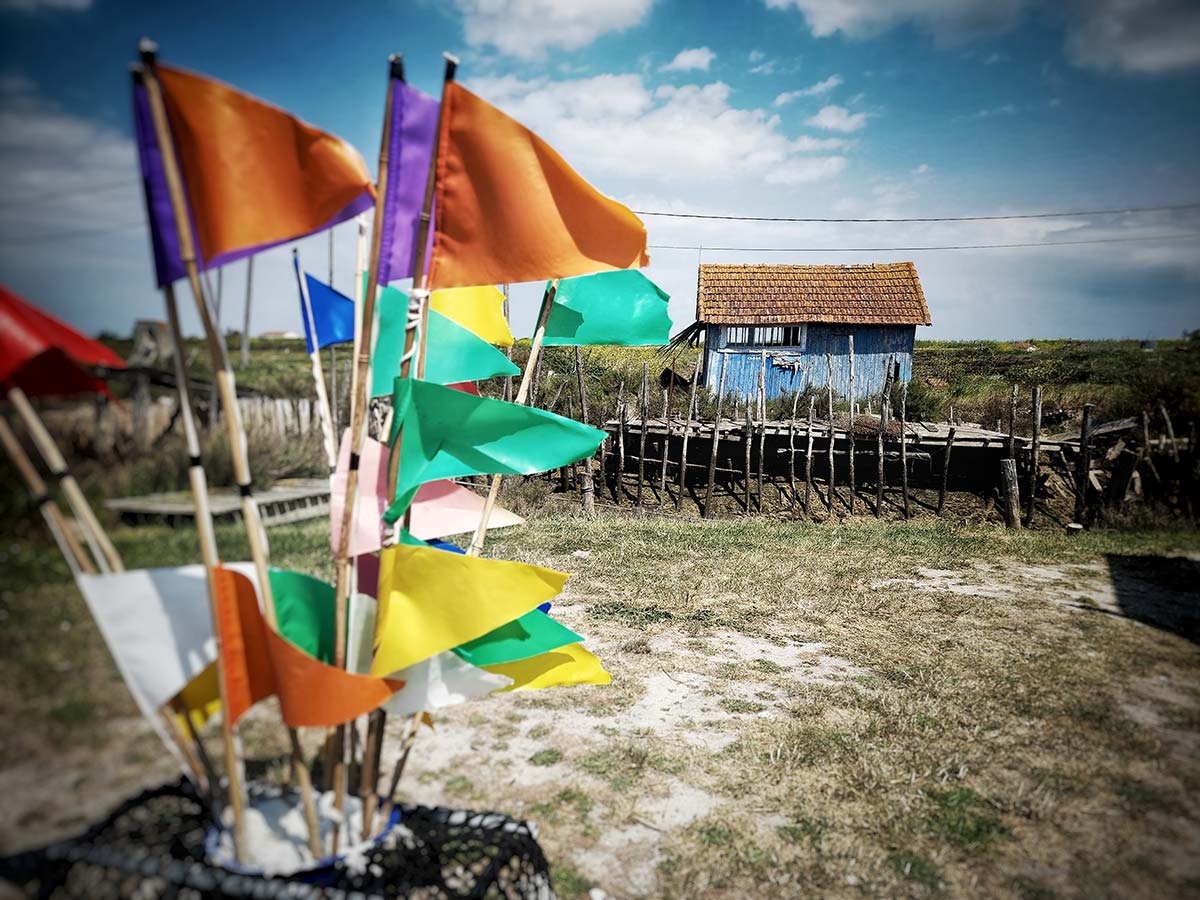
x: 414, y: 130
x: 164, y: 237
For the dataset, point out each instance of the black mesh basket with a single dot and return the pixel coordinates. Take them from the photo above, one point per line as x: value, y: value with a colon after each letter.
x: 152, y: 846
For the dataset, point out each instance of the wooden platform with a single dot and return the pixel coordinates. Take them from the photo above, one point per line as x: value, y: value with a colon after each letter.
x: 291, y: 500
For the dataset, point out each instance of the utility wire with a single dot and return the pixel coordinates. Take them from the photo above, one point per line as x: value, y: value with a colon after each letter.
x: 1115, y: 240
x: 998, y: 218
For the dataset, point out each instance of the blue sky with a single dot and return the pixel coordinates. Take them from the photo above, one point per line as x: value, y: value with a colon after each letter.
x: 800, y: 108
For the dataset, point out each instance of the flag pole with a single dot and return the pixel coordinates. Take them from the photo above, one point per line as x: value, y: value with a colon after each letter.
x: 227, y: 387
x: 76, y: 557
x: 314, y: 356
x: 244, y: 347
x: 535, y: 349
x: 418, y: 312
x: 360, y: 265
x: 106, y: 554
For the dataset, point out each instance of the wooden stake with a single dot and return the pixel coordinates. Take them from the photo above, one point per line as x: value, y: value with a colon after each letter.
x: 318, y: 374
x: 60, y: 529
x: 885, y: 406
x: 762, y: 427
x: 1083, y: 464
x: 687, y: 429
x: 1162, y: 411
x: 587, y: 487
x: 792, y: 448
x: 853, y: 438
x: 245, y: 344
x: 832, y: 478
x: 102, y: 548
x: 716, y: 437
x: 622, y: 422
x: 945, y: 470
x: 808, y: 455
x: 1012, y: 423
x: 1010, y: 492
x: 1035, y: 447
x: 226, y: 386
x: 748, y: 440
x: 644, y: 413
x: 904, y: 446
x: 662, y: 463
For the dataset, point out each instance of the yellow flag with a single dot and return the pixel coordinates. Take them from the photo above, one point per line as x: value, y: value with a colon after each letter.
x: 477, y: 309
x: 201, y: 697
x: 431, y: 600
x: 565, y: 666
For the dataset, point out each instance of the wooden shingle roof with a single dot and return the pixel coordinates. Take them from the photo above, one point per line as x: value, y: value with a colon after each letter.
x: 762, y: 294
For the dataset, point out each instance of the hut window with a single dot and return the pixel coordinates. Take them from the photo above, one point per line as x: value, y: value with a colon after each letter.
x: 740, y: 336
x: 766, y: 336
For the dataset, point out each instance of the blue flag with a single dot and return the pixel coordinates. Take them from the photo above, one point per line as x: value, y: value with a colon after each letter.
x: 332, y: 311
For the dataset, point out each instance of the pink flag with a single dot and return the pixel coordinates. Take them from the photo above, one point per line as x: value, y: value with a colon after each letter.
x: 441, y: 508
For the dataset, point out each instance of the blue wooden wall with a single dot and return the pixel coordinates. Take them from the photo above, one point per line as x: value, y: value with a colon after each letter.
x: 794, y: 368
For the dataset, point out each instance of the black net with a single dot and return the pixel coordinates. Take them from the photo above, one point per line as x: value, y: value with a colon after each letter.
x: 152, y: 846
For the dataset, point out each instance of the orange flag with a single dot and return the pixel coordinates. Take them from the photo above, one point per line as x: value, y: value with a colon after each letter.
x: 258, y: 663
x: 509, y: 208
x: 255, y: 175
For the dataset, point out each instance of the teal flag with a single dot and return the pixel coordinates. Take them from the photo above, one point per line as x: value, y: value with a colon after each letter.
x: 454, y: 353
x: 533, y: 633
x: 306, y: 608
x: 448, y: 434
x: 624, y: 308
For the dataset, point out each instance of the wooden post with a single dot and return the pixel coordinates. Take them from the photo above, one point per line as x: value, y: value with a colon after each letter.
x: 748, y: 435
x: 687, y: 428
x: 644, y: 413
x: 97, y: 539
x: 885, y: 406
x: 1012, y: 423
x: 832, y: 478
x: 808, y: 455
x: 622, y: 423
x: 904, y: 446
x: 945, y: 470
x: 587, y: 487
x: 1147, y: 448
x: 60, y: 529
x: 762, y: 425
x: 1083, y: 464
x: 245, y: 344
x: 792, y: 448
x: 716, y: 437
x: 1035, y: 447
x: 1162, y: 411
x: 1011, y: 492
x: 853, y: 438
x: 662, y: 466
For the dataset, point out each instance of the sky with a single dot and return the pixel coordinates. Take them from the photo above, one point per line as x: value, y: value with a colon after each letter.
x: 836, y: 109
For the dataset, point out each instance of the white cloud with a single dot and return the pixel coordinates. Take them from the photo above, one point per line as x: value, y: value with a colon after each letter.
x: 1007, y: 109
x: 922, y: 169
x: 692, y: 59
x: 39, y: 5
x: 615, y: 125
x: 756, y: 56
x: 837, y: 118
x: 1142, y: 36
x: 813, y: 90
x: 526, y: 29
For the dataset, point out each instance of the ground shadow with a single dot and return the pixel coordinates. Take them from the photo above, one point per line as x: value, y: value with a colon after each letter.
x: 1162, y: 591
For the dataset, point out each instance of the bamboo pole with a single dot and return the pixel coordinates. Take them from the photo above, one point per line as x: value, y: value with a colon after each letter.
x: 644, y: 412
x: 716, y: 437
x: 945, y: 470
x: 808, y: 454
x: 60, y: 529
x: 245, y: 343
x: 832, y: 478
x: 318, y: 374
x: 360, y: 265
x: 904, y: 446
x: 1035, y: 447
x: 508, y: 351
x: 535, y: 352
x: 97, y: 540
x: 687, y: 428
x: 226, y: 386
x: 853, y: 442
x: 587, y: 486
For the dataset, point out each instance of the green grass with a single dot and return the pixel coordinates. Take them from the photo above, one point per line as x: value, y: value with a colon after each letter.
x: 547, y: 757
x: 962, y: 818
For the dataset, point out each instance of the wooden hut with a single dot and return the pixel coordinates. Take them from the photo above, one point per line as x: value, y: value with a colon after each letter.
x: 791, y: 316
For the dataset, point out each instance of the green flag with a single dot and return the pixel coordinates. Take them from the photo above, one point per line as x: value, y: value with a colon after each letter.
x: 533, y: 633
x: 306, y: 610
x: 454, y: 353
x: 622, y: 307
x: 448, y: 434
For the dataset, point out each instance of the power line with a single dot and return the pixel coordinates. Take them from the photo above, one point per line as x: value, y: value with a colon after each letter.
x: 997, y: 218
x: 1116, y: 240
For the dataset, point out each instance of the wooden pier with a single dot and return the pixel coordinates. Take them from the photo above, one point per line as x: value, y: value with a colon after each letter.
x: 292, y: 500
